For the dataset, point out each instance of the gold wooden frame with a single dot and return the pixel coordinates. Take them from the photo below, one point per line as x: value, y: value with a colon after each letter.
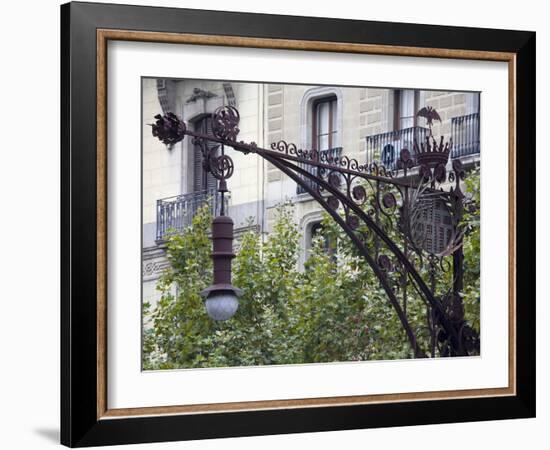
x: 104, y: 35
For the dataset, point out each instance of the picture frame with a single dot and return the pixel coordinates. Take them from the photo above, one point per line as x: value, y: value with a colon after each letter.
x: 86, y: 28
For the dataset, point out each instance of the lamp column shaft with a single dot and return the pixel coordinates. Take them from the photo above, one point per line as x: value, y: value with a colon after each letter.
x: 222, y: 252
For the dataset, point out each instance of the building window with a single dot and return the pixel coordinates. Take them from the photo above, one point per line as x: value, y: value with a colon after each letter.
x: 405, y: 105
x: 202, y: 180
x: 324, y: 123
x: 316, y: 230
x: 472, y: 103
x: 324, y: 134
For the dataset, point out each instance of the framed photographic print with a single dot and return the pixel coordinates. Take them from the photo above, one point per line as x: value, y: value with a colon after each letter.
x: 277, y: 224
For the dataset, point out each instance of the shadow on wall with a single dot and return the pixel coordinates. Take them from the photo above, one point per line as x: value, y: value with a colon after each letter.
x: 49, y: 434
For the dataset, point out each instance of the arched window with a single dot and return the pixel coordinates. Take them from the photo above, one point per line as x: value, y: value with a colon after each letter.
x: 321, y: 123
x: 324, y: 123
x: 405, y: 105
x: 316, y: 230
x: 321, y: 114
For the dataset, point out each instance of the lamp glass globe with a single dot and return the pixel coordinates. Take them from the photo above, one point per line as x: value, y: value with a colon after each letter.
x: 221, y: 305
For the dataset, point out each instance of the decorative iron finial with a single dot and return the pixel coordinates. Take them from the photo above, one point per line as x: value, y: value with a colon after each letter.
x: 168, y: 128
x: 431, y: 154
x: 430, y: 114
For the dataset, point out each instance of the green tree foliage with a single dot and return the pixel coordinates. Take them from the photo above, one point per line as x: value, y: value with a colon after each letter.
x: 334, y: 310
x: 472, y: 250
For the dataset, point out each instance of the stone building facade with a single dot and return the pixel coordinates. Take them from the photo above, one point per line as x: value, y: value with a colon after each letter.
x: 362, y: 123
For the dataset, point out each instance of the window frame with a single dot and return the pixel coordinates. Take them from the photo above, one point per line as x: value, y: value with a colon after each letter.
x: 332, y: 101
x: 397, y: 108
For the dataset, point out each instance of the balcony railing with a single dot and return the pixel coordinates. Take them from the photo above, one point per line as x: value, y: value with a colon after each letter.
x: 330, y: 153
x: 176, y: 213
x: 385, y: 148
x: 465, y: 134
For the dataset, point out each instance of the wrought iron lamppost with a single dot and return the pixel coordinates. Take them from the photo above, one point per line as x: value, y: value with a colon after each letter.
x: 335, y: 183
x: 222, y: 297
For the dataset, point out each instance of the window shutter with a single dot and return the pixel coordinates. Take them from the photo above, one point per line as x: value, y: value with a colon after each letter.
x: 201, y: 180
x: 197, y: 169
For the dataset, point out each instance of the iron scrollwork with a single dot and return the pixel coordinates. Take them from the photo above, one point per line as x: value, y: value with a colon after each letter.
x: 225, y: 121
x: 391, y: 206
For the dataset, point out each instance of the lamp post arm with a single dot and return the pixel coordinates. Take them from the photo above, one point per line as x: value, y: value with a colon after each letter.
x: 371, y: 172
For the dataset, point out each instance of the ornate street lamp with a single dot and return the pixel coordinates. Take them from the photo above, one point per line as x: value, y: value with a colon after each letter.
x: 336, y: 183
x: 221, y: 298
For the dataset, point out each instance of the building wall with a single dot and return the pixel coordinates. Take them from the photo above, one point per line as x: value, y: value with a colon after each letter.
x: 269, y: 113
x: 161, y: 167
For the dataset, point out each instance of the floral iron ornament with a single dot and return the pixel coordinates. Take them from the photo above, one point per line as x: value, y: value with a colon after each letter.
x: 169, y: 129
x: 370, y: 217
